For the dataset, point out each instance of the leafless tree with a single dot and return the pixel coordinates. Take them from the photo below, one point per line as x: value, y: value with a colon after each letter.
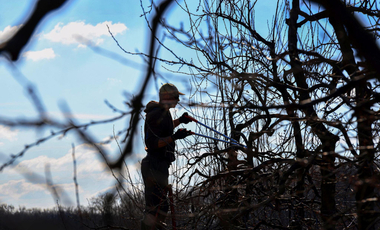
x: 299, y: 98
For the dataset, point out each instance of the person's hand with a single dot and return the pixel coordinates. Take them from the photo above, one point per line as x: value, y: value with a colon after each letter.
x: 185, y: 118
x: 181, y: 133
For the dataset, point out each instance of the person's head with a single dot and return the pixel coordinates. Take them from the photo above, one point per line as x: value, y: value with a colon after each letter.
x: 169, y: 95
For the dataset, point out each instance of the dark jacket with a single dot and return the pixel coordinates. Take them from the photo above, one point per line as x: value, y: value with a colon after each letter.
x: 158, y: 124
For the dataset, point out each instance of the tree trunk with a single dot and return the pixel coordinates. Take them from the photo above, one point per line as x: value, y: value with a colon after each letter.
x: 327, y: 138
x: 365, y: 187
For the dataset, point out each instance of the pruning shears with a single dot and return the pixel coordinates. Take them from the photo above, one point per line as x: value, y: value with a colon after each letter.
x: 232, y: 141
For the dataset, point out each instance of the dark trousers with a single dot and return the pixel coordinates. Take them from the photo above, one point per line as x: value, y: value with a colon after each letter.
x: 155, y: 173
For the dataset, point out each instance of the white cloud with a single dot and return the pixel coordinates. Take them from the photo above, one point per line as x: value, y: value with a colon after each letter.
x: 79, y: 116
x: 18, y: 188
x: 40, y: 55
x: 114, y: 80
x: 83, y: 116
x: 81, y: 34
x: 8, y: 32
x: 92, y: 174
x: 87, y: 157
x: 8, y: 133
x: 24, y: 190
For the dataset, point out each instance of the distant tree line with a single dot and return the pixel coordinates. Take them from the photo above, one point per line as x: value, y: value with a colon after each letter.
x: 107, y: 211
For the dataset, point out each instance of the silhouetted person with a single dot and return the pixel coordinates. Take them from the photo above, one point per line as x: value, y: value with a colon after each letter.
x: 160, y: 147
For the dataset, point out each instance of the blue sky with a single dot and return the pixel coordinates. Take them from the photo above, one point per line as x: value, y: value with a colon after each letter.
x: 63, y: 68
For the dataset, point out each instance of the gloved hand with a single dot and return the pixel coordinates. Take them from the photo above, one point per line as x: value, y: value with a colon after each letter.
x: 184, y: 118
x: 181, y: 133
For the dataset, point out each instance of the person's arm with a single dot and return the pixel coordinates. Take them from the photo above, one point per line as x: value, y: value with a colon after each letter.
x: 152, y: 138
x: 180, y: 134
x: 163, y: 141
x: 176, y: 122
x: 154, y: 131
x: 183, y: 119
